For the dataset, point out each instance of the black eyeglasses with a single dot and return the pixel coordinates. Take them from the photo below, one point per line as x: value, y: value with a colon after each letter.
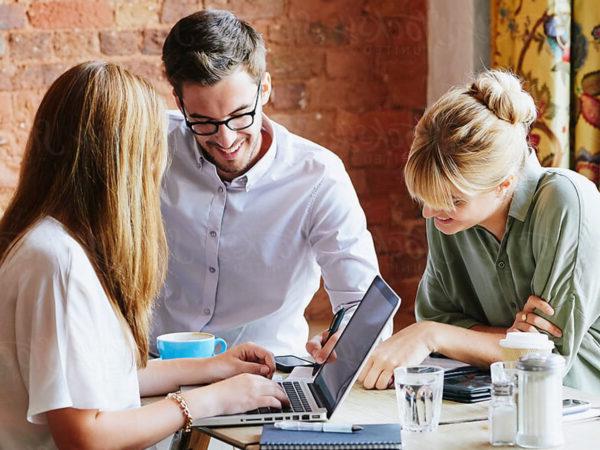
x: 234, y: 123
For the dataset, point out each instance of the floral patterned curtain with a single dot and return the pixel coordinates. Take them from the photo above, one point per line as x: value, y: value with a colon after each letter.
x: 554, y: 45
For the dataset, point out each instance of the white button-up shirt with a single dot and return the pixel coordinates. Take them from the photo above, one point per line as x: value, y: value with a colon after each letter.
x: 246, y: 257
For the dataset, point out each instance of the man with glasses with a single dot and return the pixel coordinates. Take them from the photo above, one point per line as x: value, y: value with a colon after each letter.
x: 254, y: 214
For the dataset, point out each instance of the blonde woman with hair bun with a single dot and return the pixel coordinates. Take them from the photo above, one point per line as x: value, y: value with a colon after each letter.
x: 82, y: 257
x: 512, y: 246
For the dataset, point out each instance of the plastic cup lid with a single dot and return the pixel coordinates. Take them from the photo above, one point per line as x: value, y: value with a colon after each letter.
x: 522, y: 340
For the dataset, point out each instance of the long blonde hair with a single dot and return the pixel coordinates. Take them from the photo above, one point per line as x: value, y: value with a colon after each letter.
x: 470, y: 140
x: 94, y: 160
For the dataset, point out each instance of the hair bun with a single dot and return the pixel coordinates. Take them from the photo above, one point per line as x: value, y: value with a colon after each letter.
x: 503, y: 94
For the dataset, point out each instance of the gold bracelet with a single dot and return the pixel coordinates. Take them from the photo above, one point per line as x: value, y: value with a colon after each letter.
x: 187, y: 427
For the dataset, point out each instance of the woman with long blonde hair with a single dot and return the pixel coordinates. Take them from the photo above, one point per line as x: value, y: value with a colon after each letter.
x: 82, y: 257
x: 512, y: 246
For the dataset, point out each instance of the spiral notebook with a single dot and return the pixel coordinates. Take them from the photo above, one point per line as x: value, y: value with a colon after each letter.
x: 373, y: 436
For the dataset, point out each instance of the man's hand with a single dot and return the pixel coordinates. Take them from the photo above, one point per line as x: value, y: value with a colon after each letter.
x: 410, y: 346
x: 321, y: 352
x: 244, y: 358
x: 527, y: 320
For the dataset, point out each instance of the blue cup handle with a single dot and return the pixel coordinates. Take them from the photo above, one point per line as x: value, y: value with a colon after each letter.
x: 223, y: 345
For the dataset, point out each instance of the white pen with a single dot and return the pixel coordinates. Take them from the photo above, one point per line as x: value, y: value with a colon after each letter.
x: 324, y: 427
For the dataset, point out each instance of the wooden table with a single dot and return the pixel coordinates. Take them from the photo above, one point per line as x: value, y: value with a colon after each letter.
x: 457, y: 429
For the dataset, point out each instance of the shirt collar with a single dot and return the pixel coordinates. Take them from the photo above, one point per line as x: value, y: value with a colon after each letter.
x: 250, y: 178
x: 263, y: 164
x: 526, y: 187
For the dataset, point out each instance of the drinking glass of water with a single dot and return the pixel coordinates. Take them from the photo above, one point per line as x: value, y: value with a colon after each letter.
x: 419, y: 395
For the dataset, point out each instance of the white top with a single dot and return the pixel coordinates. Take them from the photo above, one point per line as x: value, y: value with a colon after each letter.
x: 247, y: 256
x: 61, y: 343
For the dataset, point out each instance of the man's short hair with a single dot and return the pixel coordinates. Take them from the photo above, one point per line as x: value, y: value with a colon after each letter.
x: 209, y: 45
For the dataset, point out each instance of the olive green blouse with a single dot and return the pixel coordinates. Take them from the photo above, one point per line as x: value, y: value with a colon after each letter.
x: 551, y: 248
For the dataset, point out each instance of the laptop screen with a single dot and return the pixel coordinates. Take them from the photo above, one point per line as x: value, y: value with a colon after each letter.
x: 373, y: 312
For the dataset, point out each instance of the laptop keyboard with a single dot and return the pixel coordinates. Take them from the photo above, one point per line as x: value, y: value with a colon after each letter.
x: 298, y: 401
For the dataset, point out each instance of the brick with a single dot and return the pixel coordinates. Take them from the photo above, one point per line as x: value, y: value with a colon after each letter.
x: 359, y: 158
x: 411, y: 93
x: 71, y: 14
x: 115, y: 42
x: 6, y: 76
x: 153, y: 41
x: 6, y: 116
x: 393, y: 8
x: 353, y: 64
x: 3, y: 46
x: 12, y: 17
x: 390, y: 32
x: 8, y: 147
x: 289, y: 96
x: 173, y: 10
x: 310, y: 10
x: 5, y: 197
x: 25, y: 106
x: 37, y: 75
x: 76, y: 44
x: 404, y: 266
x: 255, y: 9
x: 337, y: 146
x: 377, y: 130
x: 150, y: 69
x: 355, y: 95
x: 295, y: 63
x: 313, y: 126
x: 377, y: 210
x: 328, y: 34
x: 303, y: 33
x: 30, y: 45
x: 216, y: 4
x: 400, y: 239
x: 407, y: 289
x: 137, y: 13
x: 383, y: 181
x: 9, y: 174
x: 359, y: 180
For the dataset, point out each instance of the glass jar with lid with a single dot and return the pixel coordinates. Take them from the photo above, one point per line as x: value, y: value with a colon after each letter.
x: 540, y: 400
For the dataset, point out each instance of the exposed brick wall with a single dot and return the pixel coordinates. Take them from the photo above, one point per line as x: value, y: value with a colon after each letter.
x: 348, y: 74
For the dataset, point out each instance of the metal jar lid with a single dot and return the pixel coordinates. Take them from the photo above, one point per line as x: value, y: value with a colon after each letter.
x: 537, y: 362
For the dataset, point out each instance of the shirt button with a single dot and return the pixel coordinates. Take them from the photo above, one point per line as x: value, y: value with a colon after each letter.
x: 207, y: 311
x: 220, y: 188
x: 501, y: 264
x: 213, y: 233
x: 212, y: 269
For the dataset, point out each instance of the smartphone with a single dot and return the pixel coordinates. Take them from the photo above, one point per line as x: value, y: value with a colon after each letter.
x: 572, y: 406
x: 286, y: 363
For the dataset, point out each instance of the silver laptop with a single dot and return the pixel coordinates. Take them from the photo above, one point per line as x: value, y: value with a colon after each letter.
x: 317, y: 400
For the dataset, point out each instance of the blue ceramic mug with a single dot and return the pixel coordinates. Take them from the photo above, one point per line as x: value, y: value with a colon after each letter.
x: 192, y: 344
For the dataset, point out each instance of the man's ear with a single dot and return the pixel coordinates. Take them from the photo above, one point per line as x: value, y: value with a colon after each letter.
x: 265, y: 91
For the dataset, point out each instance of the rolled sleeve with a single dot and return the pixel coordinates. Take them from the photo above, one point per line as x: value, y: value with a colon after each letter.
x: 566, y: 247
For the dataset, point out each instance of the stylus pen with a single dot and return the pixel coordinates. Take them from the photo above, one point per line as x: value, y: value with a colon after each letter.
x: 333, y: 327
x: 323, y: 427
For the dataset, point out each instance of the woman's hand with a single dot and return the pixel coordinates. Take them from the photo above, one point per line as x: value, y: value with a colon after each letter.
x: 527, y: 320
x: 244, y: 358
x: 239, y: 394
x: 410, y: 346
